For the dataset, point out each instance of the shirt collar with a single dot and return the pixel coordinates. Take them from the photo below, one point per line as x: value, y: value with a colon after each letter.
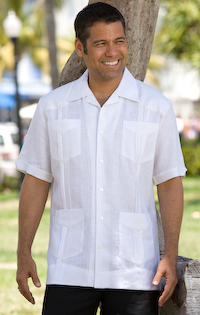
x: 127, y: 89
x: 80, y: 88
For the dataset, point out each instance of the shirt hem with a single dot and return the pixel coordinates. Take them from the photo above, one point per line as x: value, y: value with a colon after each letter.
x: 131, y: 279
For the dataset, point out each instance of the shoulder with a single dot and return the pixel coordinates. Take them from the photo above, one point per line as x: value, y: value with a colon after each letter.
x: 152, y: 98
x: 147, y: 96
x: 150, y: 93
x: 57, y: 97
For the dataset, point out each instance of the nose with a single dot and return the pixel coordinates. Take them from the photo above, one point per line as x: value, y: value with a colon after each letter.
x: 111, y: 50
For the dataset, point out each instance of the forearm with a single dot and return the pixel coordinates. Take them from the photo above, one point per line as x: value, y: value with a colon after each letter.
x: 170, y: 195
x: 33, y: 197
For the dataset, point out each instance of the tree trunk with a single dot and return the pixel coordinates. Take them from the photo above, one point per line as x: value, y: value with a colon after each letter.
x: 50, y: 24
x: 141, y: 17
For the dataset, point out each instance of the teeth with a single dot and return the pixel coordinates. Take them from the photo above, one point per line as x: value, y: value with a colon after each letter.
x: 111, y: 63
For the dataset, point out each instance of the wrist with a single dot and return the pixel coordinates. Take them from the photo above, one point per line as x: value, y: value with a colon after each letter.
x: 23, y: 250
x: 171, y: 258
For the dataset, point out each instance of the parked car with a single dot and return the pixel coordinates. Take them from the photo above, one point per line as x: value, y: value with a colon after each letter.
x: 9, y: 149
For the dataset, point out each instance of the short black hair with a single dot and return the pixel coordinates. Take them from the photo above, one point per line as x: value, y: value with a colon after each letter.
x: 96, y: 12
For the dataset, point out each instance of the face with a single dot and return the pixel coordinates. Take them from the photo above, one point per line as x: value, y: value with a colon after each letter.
x: 106, y: 52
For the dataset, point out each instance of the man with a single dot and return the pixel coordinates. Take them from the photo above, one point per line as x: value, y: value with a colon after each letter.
x: 100, y: 141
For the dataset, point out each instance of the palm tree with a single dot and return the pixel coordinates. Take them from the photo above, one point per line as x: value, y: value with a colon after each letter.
x: 6, y: 48
x: 33, y: 36
x: 179, y: 34
x: 50, y: 25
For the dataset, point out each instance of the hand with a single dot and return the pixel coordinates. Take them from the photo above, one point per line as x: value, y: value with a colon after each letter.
x: 166, y: 268
x: 27, y: 269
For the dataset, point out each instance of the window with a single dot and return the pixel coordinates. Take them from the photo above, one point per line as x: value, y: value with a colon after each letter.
x: 15, y: 138
x: 1, y: 140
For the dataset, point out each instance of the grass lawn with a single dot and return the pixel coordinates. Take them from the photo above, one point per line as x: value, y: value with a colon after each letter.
x: 189, y: 239
x: 13, y: 303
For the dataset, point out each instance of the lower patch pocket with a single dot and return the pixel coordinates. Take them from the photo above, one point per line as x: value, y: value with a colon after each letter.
x: 136, y: 239
x: 67, y: 234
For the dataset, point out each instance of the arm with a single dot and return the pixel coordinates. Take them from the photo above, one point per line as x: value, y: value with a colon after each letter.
x: 170, y: 195
x: 33, y: 197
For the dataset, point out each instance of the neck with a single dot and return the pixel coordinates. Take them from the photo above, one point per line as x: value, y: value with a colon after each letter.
x: 104, y: 89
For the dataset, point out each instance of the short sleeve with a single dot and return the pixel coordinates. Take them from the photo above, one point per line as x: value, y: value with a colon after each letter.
x: 168, y: 161
x: 34, y: 157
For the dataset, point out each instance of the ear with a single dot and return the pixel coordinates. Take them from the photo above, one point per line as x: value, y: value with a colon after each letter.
x: 79, y: 47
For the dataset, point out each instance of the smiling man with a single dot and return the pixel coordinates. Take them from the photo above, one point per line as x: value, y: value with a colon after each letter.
x: 106, y: 54
x: 105, y: 58
x: 101, y: 141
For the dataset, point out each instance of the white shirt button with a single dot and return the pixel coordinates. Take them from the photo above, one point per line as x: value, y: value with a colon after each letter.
x: 101, y: 132
x: 101, y: 218
x: 101, y: 189
x: 101, y: 161
x: 100, y: 247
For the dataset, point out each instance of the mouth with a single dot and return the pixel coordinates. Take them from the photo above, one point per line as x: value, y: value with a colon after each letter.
x: 111, y: 63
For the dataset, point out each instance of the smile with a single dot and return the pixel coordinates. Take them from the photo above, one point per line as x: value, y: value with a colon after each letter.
x: 111, y: 63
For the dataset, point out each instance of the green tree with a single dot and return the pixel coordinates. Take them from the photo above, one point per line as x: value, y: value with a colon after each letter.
x: 33, y: 38
x: 6, y: 48
x: 179, y: 34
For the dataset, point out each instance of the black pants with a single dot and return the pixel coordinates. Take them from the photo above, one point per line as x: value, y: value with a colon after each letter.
x: 67, y: 300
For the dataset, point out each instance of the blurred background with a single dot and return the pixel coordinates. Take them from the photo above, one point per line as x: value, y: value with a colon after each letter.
x: 36, y: 40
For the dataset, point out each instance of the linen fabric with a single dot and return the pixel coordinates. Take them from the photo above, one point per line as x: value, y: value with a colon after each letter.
x: 102, y: 162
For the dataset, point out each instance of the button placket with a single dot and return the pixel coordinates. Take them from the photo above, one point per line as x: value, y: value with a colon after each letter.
x: 100, y: 173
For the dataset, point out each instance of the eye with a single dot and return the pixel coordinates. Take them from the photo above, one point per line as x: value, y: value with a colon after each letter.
x: 120, y: 41
x: 100, y: 44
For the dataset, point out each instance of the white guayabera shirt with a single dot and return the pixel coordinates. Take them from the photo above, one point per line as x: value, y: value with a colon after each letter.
x: 102, y: 162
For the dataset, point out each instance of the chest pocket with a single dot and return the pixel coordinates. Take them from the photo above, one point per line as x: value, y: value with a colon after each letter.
x: 65, y: 139
x: 139, y: 141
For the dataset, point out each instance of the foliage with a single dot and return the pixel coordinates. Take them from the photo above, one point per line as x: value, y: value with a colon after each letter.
x: 6, y: 47
x: 156, y: 63
x: 5, y: 6
x: 9, y: 182
x: 33, y: 36
x: 179, y: 34
x: 191, y: 153
x: 8, y: 195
